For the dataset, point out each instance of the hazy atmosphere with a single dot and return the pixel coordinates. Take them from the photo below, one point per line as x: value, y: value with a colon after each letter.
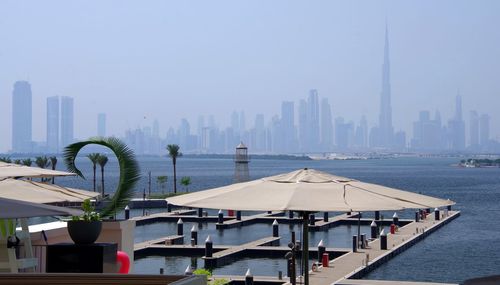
x: 139, y: 61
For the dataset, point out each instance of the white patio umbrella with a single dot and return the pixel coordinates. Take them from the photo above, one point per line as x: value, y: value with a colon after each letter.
x: 15, y: 209
x: 12, y: 170
x: 37, y: 192
x: 305, y: 191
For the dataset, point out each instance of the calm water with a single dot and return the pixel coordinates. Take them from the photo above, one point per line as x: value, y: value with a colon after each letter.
x: 466, y: 248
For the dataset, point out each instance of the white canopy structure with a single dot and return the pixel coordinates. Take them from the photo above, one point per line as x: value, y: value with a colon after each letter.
x: 12, y: 170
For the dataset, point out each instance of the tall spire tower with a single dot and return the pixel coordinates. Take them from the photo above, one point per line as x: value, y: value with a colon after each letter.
x: 386, y: 131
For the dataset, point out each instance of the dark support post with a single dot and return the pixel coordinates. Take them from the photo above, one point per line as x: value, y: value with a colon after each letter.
x: 194, y: 234
x: 312, y: 220
x: 180, y: 227
x: 321, y: 250
x: 200, y: 212
x: 269, y: 212
x: 363, y: 241
x: 374, y: 230
x: 383, y: 240
x: 325, y: 216
x: 169, y: 207
x: 305, y: 246
x: 428, y: 210
x: 448, y: 207
x: 209, y: 247
x: 395, y: 219
x: 354, y: 243
x: 289, y: 267
x: 377, y: 215
x: 294, y: 256
x: 290, y: 214
x: 417, y: 216
x: 437, y: 216
x: 276, y: 229
x: 127, y: 212
x: 220, y: 220
x: 248, y: 278
x: 238, y: 215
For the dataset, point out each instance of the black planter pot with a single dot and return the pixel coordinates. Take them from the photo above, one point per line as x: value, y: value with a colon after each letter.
x: 82, y: 232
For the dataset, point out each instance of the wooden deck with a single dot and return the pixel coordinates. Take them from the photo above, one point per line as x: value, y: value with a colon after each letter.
x: 247, y: 220
x: 384, y: 282
x: 357, y: 264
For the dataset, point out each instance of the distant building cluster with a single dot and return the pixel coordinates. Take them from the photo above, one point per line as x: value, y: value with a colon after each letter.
x: 308, y: 127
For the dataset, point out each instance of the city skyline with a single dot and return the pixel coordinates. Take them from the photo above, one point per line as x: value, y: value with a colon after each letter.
x: 339, y: 52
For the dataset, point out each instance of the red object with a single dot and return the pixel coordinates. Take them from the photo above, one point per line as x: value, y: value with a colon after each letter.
x: 124, y: 260
x: 393, y: 228
x: 230, y: 213
x: 325, y: 260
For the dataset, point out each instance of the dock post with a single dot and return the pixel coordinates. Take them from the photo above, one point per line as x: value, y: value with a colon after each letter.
x: 127, y: 212
x: 348, y: 213
x: 437, y: 217
x: 383, y: 240
x: 377, y: 215
x: 169, y: 207
x: 395, y: 219
x: 276, y: 229
x: 220, y: 220
x: 269, y: 212
x: 180, y: 227
x: 321, y: 250
x: 417, y: 216
x: 448, y: 207
x: 290, y: 214
x: 373, y: 227
x: 238, y: 215
x: 363, y: 241
x: 194, y: 235
x: 200, y: 212
x: 428, y: 210
x: 209, y: 247
x: 354, y: 243
x: 325, y: 216
x: 312, y: 220
x: 162, y: 270
x: 248, y: 278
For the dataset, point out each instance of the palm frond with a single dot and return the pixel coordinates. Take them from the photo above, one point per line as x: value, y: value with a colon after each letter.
x: 129, y: 170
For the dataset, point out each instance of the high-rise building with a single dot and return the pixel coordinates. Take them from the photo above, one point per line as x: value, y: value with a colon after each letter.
x: 484, y: 129
x: 53, y: 124
x: 67, y: 121
x: 344, y: 133
x: 101, y: 125
x: 303, y: 132
x: 474, y: 129
x: 361, y: 136
x: 456, y: 128
x: 326, y: 125
x: 21, y: 117
x: 287, y: 125
x: 313, y: 138
x: 385, y: 131
x: 427, y: 133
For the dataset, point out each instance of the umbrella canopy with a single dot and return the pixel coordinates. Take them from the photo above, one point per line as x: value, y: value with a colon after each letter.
x: 10, y: 170
x: 37, y: 192
x: 307, y: 190
x: 15, y: 209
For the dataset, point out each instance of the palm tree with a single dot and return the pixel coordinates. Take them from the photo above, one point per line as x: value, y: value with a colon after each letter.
x: 93, y: 158
x: 186, y: 181
x: 42, y: 161
x: 129, y: 170
x: 27, y: 162
x: 173, y: 152
x: 53, y: 162
x: 102, y: 160
x: 18, y: 161
x: 162, y: 180
x: 5, y: 159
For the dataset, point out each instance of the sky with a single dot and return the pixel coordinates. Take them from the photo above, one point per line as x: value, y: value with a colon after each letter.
x: 143, y: 60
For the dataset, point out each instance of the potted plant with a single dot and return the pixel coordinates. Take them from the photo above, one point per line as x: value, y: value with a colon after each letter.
x: 89, y: 224
x: 85, y: 229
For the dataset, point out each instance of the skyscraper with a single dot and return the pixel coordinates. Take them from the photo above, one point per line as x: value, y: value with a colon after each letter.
x: 21, y: 117
x: 67, y: 136
x: 385, y: 128
x: 484, y: 129
x: 456, y: 127
x: 313, y: 121
x: 287, y: 126
x: 53, y: 124
x: 326, y: 125
x: 303, y: 133
x: 474, y: 129
x: 101, y: 125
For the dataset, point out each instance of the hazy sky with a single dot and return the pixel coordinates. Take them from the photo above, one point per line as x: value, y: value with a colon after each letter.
x: 140, y: 60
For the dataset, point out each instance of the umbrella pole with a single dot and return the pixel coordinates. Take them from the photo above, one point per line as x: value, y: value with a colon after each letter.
x: 359, y: 228
x: 305, y: 246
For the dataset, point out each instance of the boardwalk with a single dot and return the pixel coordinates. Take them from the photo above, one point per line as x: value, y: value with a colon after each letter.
x: 384, y: 282
x: 354, y: 264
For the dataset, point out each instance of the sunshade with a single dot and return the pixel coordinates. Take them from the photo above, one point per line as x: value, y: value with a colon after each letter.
x: 11, y: 170
x: 15, y: 209
x: 305, y: 191
x: 37, y: 192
